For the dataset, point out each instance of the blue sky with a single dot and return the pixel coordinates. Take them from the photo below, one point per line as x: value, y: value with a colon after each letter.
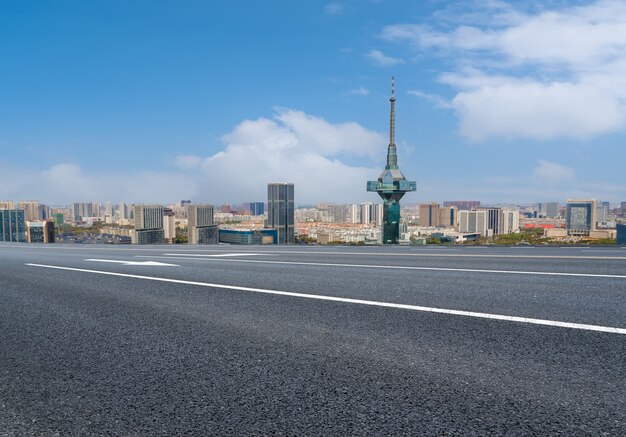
x: 156, y: 101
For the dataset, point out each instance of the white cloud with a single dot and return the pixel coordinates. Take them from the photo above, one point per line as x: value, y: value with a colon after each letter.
x: 551, y: 173
x: 558, y: 73
x: 360, y: 91
x: 292, y: 147
x: 382, y: 60
x: 433, y: 98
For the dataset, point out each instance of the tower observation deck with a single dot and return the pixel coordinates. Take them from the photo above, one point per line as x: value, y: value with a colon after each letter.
x: 391, y: 184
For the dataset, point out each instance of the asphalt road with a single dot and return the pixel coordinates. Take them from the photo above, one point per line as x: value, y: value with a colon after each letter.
x: 312, y: 340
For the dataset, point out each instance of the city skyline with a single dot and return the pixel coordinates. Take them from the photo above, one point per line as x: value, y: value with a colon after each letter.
x: 149, y: 103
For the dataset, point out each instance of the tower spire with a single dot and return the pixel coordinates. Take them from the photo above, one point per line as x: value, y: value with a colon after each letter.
x: 392, y: 157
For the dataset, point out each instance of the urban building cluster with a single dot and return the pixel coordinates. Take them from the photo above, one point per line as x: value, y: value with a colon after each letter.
x: 277, y: 221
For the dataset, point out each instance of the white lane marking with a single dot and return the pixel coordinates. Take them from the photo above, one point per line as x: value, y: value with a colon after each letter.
x: 555, y: 323
x: 371, y: 266
x: 228, y: 255
x: 374, y: 252
x: 134, y: 263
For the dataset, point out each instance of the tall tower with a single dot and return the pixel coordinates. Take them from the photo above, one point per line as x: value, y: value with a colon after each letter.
x: 391, y: 184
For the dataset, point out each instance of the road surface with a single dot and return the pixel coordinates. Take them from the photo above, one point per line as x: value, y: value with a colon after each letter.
x: 170, y: 340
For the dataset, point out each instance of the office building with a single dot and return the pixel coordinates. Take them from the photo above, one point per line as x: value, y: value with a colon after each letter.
x: 474, y: 222
x: 257, y: 208
x: 31, y: 209
x: 207, y: 235
x: 199, y: 220
x: 428, y: 215
x: 12, y: 225
x: 40, y: 231
x: 149, y: 224
x: 580, y: 217
x: 169, y: 226
x: 257, y: 236
x: 621, y: 234
x: 552, y: 209
x: 509, y: 222
x: 281, y: 211
x: 82, y: 210
x: 391, y: 185
x: 463, y: 205
x: 448, y: 216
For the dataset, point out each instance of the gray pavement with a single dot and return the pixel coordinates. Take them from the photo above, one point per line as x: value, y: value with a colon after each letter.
x: 86, y: 352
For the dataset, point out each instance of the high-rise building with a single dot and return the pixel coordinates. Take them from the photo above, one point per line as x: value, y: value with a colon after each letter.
x: 149, y: 224
x: 12, y: 225
x: 257, y: 208
x: 494, y: 219
x: 552, y: 209
x: 336, y: 213
x: 621, y: 235
x: 169, y: 226
x: 31, y: 209
x: 353, y: 214
x: 601, y: 213
x: 510, y: 222
x: 281, y: 211
x: 448, y: 216
x: 7, y: 204
x: 82, y: 210
x: 580, y: 217
x: 108, y: 209
x: 96, y: 209
x: 463, y: 205
x: 366, y: 213
x: 378, y: 214
x: 199, y: 220
x: 391, y: 184
x: 40, y: 231
x: 428, y: 215
x: 474, y: 222
x: 122, y: 211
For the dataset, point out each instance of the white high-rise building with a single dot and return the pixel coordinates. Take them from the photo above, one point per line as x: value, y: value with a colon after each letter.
x: 510, y: 221
x: 378, y: 214
x: 366, y: 213
x: 169, y: 226
x: 474, y: 222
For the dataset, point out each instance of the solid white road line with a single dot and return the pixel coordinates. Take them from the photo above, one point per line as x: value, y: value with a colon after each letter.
x: 620, y: 256
x: 133, y: 263
x: 371, y: 266
x: 528, y: 320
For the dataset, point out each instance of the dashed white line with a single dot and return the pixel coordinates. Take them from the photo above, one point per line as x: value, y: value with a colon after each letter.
x: 554, y: 323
